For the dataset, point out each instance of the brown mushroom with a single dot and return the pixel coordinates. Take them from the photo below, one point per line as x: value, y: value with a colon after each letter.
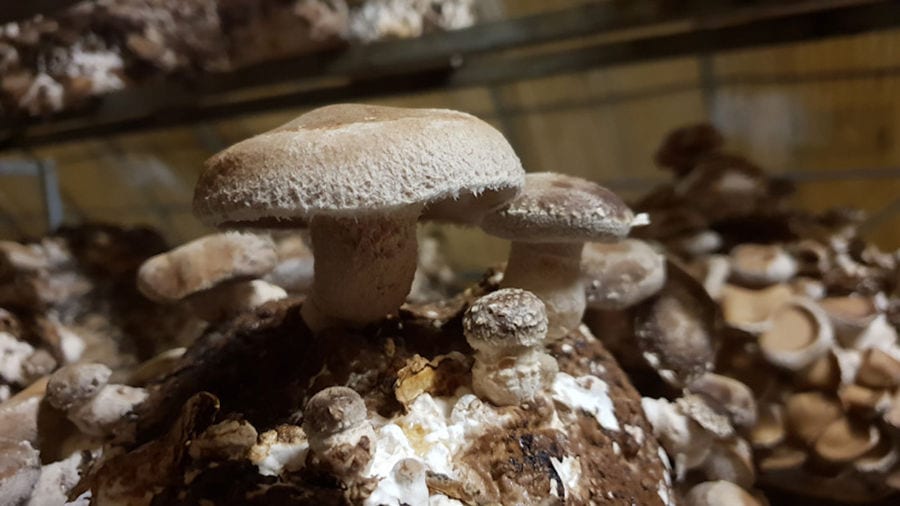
x: 548, y: 224
x: 810, y: 413
x: 507, y: 328
x: 341, y: 439
x: 360, y: 176
x: 620, y: 275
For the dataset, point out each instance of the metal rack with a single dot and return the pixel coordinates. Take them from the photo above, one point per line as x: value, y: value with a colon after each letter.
x: 588, y: 36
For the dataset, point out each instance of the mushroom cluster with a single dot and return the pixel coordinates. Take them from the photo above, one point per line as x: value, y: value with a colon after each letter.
x: 805, y: 305
x: 53, y: 62
x: 71, y: 296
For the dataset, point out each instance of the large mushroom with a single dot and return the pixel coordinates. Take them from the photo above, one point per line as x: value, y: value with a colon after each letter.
x: 360, y: 177
x: 548, y: 224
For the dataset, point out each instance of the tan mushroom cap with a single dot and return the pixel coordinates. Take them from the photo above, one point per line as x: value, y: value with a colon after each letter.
x: 750, y: 310
x: 719, y: 493
x: 204, y: 263
x: 761, y: 264
x: 342, y: 159
x: 620, y: 275
x: 878, y: 370
x: 810, y: 413
x: 333, y: 410
x: 506, y: 319
x: 845, y: 440
x: 76, y: 382
x: 769, y: 430
x: 800, y: 334
x: 555, y: 208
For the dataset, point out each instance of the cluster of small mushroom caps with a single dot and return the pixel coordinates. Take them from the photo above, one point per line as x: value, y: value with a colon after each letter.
x: 809, y: 344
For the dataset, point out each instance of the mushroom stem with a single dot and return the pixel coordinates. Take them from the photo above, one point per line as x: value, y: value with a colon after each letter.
x: 363, y: 270
x: 552, y: 271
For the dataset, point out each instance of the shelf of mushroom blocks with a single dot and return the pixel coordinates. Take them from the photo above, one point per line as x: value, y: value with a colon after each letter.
x: 764, y: 365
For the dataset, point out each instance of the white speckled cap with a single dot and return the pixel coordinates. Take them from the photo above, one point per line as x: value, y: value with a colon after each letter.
x: 510, y: 317
x: 204, y: 263
x: 333, y: 410
x: 559, y: 208
x: 342, y: 159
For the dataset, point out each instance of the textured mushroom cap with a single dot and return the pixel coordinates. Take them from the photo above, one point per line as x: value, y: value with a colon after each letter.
x: 76, y: 382
x: 333, y: 410
x: 20, y: 468
x: 204, y: 263
x: 559, y: 208
x: 507, y: 318
x: 621, y: 274
x: 344, y: 158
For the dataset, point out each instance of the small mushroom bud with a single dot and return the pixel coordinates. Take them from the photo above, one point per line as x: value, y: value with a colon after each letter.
x: 405, y: 485
x: 20, y: 468
x: 719, y: 493
x: 340, y: 436
x: 93, y: 405
x: 620, y: 275
x: 799, y: 334
x: 506, y: 328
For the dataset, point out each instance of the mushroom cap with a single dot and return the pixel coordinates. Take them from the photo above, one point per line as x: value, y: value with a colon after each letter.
x: 507, y: 318
x: 621, y: 274
x: 714, y: 493
x: 559, y: 208
x: 342, y: 159
x: 204, y: 263
x: 333, y: 410
x: 76, y: 382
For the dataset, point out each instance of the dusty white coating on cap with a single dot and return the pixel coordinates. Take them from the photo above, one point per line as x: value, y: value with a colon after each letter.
x: 204, y: 263
x: 718, y: 493
x: 506, y: 319
x: 559, y: 208
x: 622, y: 274
x: 589, y: 394
x: 346, y: 158
x: 76, y: 383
